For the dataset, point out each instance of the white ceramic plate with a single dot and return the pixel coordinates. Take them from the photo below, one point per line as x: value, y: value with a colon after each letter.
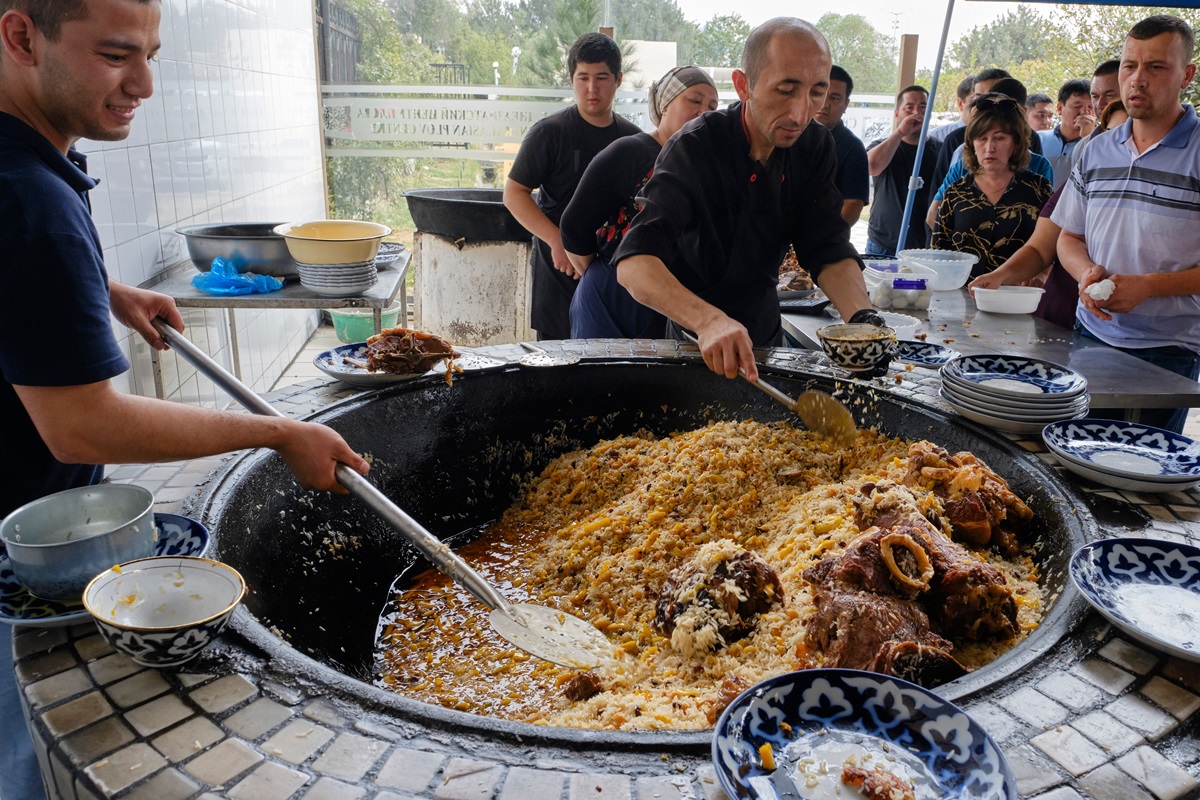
x: 1148, y: 588
x: 925, y: 354
x: 992, y: 421
x: 1126, y: 449
x: 1147, y: 485
x: 1016, y: 376
x: 1015, y: 412
x: 1033, y: 402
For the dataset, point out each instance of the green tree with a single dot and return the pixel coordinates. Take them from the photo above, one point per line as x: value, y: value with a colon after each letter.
x: 720, y: 41
x: 1007, y: 42
x: 546, y: 57
x: 868, y: 55
x: 655, y: 21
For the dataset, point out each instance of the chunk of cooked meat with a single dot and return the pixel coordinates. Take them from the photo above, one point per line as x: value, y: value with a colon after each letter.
x: 856, y: 630
x: 981, y: 507
x: 879, y: 561
x: 729, y: 690
x: 918, y: 663
x: 583, y: 686
x: 713, y: 600
x: 402, y: 351
x: 877, y: 783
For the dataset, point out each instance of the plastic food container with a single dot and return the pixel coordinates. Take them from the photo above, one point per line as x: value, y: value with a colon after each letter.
x: 1008, y: 299
x: 357, y: 324
x: 901, y: 292
x: 950, y: 269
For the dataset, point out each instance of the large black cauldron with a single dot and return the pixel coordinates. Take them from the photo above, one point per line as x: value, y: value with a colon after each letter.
x: 470, y: 215
x: 456, y: 457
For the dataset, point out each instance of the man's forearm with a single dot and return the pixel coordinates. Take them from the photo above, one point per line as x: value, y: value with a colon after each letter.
x: 842, y: 283
x: 1073, y: 255
x: 879, y: 156
x: 851, y: 211
x: 649, y: 281
x: 520, y: 203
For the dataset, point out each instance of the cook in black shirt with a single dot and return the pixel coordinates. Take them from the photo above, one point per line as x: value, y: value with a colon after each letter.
x: 731, y: 191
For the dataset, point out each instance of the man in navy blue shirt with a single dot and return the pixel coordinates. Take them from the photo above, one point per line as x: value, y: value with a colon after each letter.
x: 71, y: 69
x: 852, y: 177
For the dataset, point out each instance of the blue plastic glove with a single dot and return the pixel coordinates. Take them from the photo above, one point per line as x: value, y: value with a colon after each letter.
x: 224, y: 279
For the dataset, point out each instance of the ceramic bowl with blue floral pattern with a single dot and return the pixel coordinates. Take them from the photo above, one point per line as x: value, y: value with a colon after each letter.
x: 1126, y: 449
x: 162, y: 611
x: 816, y: 725
x: 1148, y: 588
x: 1015, y: 376
x: 859, y: 347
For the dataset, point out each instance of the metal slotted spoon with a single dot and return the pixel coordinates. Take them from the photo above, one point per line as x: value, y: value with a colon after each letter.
x: 820, y: 411
x: 544, y: 632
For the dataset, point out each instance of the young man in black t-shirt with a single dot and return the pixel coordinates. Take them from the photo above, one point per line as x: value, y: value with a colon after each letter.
x: 552, y: 158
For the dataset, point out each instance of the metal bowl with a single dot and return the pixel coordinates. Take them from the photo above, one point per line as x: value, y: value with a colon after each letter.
x: 252, y: 246
x: 57, y: 543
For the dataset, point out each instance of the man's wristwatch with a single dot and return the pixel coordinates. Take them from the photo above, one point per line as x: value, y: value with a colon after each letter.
x: 868, y: 315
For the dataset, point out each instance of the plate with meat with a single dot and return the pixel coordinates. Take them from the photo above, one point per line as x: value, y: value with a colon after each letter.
x: 842, y: 733
x: 398, y: 354
x: 1148, y: 588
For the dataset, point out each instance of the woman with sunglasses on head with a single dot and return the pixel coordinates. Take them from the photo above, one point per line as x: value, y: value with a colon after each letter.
x: 606, y: 201
x: 993, y: 210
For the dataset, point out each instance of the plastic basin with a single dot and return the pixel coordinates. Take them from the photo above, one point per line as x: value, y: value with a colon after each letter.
x: 1008, y: 299
x: 950, y: 269
x: 358, y: 324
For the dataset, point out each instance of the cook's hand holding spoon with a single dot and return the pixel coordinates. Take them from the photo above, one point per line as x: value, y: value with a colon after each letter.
x: 726, y: 347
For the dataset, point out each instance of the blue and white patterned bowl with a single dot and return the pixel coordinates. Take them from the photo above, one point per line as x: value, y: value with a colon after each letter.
x: 858, y: 347
x: 1016, y: 376
x: 177, y: 536
x: 1126, y: 449
x: 925, y: 354
x: 1148, y: 588
x: 162, y: 611
x: 827, y: 714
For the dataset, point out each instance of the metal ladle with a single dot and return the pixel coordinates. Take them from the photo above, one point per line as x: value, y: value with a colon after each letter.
x: 820, y: 411
x: 549, y: 634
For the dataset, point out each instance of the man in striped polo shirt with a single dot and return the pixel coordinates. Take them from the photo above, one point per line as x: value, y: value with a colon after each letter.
x: 1130, y: 213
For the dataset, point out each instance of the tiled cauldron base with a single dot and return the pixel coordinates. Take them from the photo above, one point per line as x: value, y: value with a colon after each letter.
x: 1098, y: 717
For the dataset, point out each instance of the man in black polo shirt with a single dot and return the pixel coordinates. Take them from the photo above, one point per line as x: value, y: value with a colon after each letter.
x: 731, y: 191
x: 852, y: 178
x: 552, y: 158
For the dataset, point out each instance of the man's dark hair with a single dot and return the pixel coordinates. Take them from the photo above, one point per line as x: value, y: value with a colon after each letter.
x: 914, y: 88
x: 1110, y: 67
x: 1013, y: 88
x: 49, y: 15
x: 594, y: 48
x: 1165, y: 23
x: 965, y: 87
x: 991, y: 74
x: 1073, y: 87
x: 1038, y: 97
x: 754, y: 52
x: 836, y: 73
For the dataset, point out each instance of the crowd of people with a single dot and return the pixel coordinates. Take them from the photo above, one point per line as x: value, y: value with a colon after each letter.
x: 683, y: 230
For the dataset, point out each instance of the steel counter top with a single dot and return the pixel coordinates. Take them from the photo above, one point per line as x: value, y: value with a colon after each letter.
x: 1115, y: 379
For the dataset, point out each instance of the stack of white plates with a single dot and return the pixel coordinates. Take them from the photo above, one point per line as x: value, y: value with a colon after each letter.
x: 339, y: 280
x: 1013, y: 393
x: 1125, y: 455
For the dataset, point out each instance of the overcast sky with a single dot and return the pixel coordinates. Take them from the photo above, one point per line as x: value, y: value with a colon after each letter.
x: 922, y: 17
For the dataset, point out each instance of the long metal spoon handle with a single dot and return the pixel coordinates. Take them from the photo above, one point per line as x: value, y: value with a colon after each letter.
x: 759, y: 384
x: 430, y: 546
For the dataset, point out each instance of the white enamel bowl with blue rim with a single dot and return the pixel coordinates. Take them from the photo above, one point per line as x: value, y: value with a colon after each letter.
x: 1126, y: 449
x: 831, y: 714
x: 162, y: 611
x: 1148, y: 588
x: 177, y: 536
x: 1015, y: 376
x: 925, y: 354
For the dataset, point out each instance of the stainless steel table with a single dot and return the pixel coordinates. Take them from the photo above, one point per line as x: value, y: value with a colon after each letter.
x: 178, y: 285
x: 1116, y: 380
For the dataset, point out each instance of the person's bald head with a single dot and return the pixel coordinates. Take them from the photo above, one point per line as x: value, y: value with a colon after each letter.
x: 757, y: 52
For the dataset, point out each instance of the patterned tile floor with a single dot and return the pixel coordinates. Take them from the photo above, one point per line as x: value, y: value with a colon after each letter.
x: 1100, y: 716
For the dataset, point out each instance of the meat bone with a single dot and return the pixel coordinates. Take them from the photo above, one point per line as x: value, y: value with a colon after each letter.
x: 821, y: 412
x: 547, y: 633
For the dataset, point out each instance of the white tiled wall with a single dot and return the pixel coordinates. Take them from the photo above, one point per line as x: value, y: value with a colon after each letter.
x: 231, y: 134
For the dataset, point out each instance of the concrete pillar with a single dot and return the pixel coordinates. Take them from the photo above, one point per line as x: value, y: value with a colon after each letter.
x: 474, y: 296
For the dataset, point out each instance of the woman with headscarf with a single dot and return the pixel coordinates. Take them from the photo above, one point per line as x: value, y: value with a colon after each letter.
x: 606, y: 201
x: 993, y: 209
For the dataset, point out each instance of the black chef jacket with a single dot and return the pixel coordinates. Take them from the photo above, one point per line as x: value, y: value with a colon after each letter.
x: 722, y: 222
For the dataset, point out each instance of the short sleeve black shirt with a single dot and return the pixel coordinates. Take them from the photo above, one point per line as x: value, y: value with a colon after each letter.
x: 853, y: 174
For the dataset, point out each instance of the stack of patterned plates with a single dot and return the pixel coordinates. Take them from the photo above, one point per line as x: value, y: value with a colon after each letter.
x: 1013, y: 393
x: 1125, y: 455
x: 338, y: 280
